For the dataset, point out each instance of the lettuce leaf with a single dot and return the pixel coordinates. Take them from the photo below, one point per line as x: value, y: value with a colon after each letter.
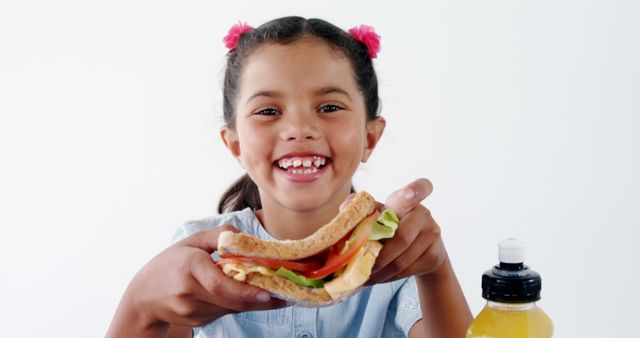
x: 299, y: 279
x: 385, y: 226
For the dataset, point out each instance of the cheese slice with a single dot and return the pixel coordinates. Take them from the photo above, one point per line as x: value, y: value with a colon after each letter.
x: 356, y: 272
x: 240, y: 271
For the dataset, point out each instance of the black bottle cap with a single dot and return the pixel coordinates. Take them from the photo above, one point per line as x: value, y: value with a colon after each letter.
x: 511, y: 281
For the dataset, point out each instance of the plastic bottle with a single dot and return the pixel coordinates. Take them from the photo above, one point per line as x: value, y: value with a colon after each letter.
x: 511, y: 290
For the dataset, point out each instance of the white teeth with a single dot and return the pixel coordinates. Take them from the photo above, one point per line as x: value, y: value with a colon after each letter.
x: 307, y: 162
x: 304, y: 171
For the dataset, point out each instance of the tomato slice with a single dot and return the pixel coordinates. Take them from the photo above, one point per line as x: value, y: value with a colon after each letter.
x: 272, y: 263
x: 335, y: 261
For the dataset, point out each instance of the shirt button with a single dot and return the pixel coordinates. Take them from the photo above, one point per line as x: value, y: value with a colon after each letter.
x: 306, y: 335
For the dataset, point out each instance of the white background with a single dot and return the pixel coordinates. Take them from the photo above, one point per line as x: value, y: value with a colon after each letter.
x: 525, y: 115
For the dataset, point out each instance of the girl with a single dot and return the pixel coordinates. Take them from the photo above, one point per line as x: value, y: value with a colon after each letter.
x: 303, y: 93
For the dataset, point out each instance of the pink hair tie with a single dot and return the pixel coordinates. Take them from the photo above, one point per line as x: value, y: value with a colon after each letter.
x: 231, y: 39
x: 367, y: 35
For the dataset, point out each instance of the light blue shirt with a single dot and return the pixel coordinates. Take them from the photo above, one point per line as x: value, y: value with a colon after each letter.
x: 382, y: 310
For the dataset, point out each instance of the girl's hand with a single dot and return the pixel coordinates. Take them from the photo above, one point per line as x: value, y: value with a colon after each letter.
x: 183, y: 286
x: 417, y: 248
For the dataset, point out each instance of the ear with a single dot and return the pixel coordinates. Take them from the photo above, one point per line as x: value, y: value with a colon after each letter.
x: 374, y: 132
x: 231, y: 141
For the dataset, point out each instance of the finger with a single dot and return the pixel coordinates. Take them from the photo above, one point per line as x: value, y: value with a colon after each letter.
x: 223, y: 290
x: 273, y: 303
x: 207, y: 240
x: 425, y: 264
x: 346, y: 201
x: 396, y: 245
x: 404, y: 200
x: 236, y: 304
x: 430, y: 253
x: 406, y: 259
x: 215, y: 306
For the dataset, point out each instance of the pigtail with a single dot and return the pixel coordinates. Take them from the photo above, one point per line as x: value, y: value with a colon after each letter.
x: 242, y: 194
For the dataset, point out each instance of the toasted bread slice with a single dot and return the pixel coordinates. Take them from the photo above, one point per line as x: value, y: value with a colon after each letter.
x: 242, y: 244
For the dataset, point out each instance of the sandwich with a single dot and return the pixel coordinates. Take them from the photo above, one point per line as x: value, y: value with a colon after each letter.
x: 319, y: 270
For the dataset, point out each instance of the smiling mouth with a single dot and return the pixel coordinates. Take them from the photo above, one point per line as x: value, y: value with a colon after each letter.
x: 302, y: 165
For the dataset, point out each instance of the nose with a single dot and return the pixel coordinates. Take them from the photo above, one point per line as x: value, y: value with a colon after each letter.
x: 300, y: 126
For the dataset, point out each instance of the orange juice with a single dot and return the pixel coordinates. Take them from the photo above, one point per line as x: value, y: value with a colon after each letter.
x: 504, y: 320
x: 511, y: 290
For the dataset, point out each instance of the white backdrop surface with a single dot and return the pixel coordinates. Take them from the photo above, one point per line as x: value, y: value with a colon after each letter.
x: 524, y: 114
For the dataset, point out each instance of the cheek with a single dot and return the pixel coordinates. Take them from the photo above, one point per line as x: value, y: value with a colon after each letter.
x: 350, y: 142
x: 254, y: 146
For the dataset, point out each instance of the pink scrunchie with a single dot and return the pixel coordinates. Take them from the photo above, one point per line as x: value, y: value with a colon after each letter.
x: 231, y: 39
x: 367, y: 35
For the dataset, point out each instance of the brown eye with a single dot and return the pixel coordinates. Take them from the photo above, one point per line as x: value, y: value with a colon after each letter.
x: 268, y: 112
x: 329, y: 108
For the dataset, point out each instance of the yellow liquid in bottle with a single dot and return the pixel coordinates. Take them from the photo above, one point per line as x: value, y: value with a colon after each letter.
x: 503, y: 320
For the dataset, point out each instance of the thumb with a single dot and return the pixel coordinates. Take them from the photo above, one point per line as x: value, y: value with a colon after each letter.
x: 404, y: 200
x: 207, y: 240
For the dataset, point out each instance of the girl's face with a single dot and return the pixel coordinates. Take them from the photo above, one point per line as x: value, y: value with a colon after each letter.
x: 301, y: 128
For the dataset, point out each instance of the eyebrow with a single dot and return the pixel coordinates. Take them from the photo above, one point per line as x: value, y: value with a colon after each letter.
x: 321, y: 91
x: 332, y: 89
x: 267, y: 93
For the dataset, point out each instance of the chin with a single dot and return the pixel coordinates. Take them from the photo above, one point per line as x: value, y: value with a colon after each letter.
x: 304, y: 202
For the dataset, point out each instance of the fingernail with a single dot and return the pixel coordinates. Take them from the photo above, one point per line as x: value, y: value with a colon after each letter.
x: 409, y: 194
x: 263, y: 296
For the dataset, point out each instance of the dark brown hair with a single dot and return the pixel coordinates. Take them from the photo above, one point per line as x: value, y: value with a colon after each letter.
x: 244, y: 193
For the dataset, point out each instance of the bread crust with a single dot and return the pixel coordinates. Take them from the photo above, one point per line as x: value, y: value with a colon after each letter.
x: 242, y: 244
x: 284, y: 288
